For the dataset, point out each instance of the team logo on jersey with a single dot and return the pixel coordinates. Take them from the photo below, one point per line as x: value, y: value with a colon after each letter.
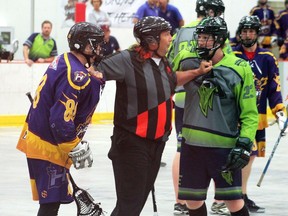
x: 54, y: 63
x: 79, y: 76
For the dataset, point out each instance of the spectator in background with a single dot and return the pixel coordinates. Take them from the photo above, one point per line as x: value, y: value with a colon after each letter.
x: 40, y: 47
x: 266, y: 15
x: 283, y: 53
x: 171, y: 14
x: 149, y: 8
x: 281, y: 24
x: 111, y: 44
x: 97, y: 16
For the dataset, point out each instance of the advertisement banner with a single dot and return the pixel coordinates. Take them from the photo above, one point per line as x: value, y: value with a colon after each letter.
x: 120, y: 12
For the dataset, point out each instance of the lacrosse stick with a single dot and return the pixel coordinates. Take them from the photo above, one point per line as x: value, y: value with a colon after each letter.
x: 154, y: 201
x: 282, y: 133
x: 84, y: 201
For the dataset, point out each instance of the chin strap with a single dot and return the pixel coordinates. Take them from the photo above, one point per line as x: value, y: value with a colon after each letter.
x: 87, y: 59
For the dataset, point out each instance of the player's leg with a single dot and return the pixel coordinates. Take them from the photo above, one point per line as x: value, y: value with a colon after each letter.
x: 180, y: 205
x: 49, y: 185
x: 136, y: 162
x: 194, y: 182
x: 48, y: 209
x: 229, y: 181
x: 257, y: 150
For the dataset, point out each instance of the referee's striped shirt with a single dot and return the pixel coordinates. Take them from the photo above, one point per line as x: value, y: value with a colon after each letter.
x: 143, y: 103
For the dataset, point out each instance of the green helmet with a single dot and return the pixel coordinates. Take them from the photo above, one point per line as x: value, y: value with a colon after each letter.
x: 215, y: 26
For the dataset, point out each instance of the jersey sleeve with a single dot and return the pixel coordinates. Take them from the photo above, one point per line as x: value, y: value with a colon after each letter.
x: 274, y: 92
x: 246, y: 97
x: 30, y: 40
x: 113, y: 67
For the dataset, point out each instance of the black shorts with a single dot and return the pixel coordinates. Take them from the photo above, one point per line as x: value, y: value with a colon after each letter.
x: 198, y: 165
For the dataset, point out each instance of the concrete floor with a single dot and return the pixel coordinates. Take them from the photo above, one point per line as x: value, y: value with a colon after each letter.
x: 15, y: 187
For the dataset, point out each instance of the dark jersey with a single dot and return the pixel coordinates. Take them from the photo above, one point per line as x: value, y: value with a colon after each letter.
x: 110, y: 46
x: 267, y: 81
x: 64, y: 103
x: 281, y: 24
x: 217, y: 102
x: 266, y: 16
x: 143, y: 103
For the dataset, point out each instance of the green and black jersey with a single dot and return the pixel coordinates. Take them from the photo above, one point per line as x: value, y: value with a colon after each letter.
x: 220, y: 106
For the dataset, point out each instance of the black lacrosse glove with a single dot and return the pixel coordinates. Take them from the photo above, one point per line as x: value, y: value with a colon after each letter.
x: 239, y: 155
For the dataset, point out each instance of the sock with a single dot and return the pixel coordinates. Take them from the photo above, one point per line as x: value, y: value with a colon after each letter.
x: 242, y: 212
x: 202, y: 211
x: 48, y: 209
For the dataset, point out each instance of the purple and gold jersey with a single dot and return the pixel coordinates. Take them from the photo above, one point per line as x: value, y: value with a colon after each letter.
x: 64, y: 103
x: 266, y: 16
x: 267, y: 81
x: 281, y: 24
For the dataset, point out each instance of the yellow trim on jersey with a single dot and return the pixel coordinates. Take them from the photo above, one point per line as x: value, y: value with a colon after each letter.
x: 69, y: 75
x: 36, y: 148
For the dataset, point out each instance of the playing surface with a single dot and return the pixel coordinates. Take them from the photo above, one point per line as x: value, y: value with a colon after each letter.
x: 15, y: 187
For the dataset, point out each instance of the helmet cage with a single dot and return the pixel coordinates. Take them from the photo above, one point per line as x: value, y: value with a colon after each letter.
x: 200, y: 8
x: 215, y: 27
x: 85, y: 33
x: 249, y: 22
x: 217, y: 6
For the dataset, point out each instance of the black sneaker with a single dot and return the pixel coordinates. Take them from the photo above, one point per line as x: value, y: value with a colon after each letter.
x: 251, y: 205
x: 180, y: 209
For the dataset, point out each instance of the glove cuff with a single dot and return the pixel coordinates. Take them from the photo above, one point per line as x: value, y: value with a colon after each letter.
x: 245, y: 143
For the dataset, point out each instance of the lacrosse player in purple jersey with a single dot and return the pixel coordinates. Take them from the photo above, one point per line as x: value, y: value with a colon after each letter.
x: 268, y: 91
x: 61, y: 111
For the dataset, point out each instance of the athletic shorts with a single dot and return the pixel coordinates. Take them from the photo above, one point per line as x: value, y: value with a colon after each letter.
x: 179, y: 112
x: 49, y: 182
x: 259, y: 145
x: 198, y: 165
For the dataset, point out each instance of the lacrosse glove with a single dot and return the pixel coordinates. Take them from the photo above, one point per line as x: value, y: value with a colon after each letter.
x: 81, y: 155
x: 239, y: 155
x: 281, y: 119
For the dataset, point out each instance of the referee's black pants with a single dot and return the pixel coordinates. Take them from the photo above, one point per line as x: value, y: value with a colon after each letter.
x: 136, y: 162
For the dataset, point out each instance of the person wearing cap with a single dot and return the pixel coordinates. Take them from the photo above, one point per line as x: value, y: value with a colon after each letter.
x: 111, y: 44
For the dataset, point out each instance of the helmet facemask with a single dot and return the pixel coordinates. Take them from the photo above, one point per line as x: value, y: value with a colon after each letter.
x: 210, y: 29
x: 214, y: 8
x: 249, y: 22
x: 247, y: 42
x: 204, y: 49
x: 83, y: 34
